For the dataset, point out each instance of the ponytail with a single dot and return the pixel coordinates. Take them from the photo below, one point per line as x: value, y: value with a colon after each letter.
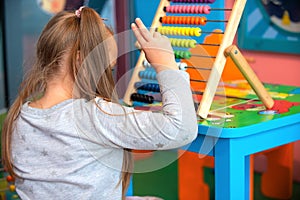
x: 94, y: 49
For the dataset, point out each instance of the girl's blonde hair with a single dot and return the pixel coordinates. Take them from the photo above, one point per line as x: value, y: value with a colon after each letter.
x: 84, y: 39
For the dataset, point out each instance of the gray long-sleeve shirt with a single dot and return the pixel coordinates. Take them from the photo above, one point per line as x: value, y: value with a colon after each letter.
x: 74, y: 150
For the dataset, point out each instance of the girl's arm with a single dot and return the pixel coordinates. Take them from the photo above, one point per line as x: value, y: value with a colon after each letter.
x: 175, y: 126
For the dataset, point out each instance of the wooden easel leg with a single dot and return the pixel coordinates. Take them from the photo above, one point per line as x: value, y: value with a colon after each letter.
x: 249, y: 75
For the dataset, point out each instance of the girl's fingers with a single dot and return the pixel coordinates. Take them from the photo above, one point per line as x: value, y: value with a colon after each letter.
x: 137, y: 34
x: 156, y: 34
x: 143, y: 30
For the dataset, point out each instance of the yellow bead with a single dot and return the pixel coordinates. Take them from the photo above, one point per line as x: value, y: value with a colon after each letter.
x: 197, y: 32
x: 286, y: 18
x: 12, y: 188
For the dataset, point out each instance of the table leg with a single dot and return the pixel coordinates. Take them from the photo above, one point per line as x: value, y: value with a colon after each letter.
x: 232, y: 171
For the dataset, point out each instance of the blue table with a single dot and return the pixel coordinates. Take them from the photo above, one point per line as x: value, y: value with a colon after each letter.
x: 247, y: 129
x: 250, y: 129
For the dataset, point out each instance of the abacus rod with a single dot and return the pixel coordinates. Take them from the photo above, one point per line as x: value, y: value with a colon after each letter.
x: 197, y: 92
x: 211, y: 32
x: 205, y: 44
x: 216, y: 20
x: 200, y: 81
x: 208, y: 44
x: 220, y: 9
x: 203, y: 56
x: 204, y: 32
x: 154, y: 97
x: 200, y: 68
x: 207, y: 32
x: 205, y: 20
x: 210, y: 9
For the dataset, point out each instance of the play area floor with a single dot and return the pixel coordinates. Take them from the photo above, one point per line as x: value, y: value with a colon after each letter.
x: 163, y: 182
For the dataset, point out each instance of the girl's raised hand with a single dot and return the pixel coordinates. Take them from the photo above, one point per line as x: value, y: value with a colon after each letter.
x: 157, y: 48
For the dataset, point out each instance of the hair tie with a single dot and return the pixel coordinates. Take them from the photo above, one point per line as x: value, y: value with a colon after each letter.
x: 78, y: 11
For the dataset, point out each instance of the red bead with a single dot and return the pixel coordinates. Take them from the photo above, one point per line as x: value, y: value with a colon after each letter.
x: 9, y: 178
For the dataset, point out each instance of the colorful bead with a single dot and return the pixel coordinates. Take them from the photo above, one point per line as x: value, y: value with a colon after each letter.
x: 184, y: 20
x: 181, y: 65
x: 147, y: 74
x: 10, y: 178
x: 142, y: 98
x: 154, y: 87
x: 188, y: 9
x: 186, y: 31
x: 185, y: 43
x: 182, y: 54
x: 12, y: 188
x: 147, y: 64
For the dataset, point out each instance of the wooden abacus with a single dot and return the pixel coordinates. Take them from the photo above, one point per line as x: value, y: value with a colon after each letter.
x: 195, y: 7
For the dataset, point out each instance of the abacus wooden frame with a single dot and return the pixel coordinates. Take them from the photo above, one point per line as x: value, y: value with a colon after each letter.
x: 218, y: 65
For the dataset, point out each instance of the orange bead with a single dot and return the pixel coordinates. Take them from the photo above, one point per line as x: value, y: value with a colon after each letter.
x: 193, y: 20
x: 203, y: 21
x: 188, y: 20
x: 169, y: 20
x: 9, y: 178
x: 174, y: 20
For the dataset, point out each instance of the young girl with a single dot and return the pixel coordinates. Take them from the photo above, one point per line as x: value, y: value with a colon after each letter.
x: 65, y: 136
